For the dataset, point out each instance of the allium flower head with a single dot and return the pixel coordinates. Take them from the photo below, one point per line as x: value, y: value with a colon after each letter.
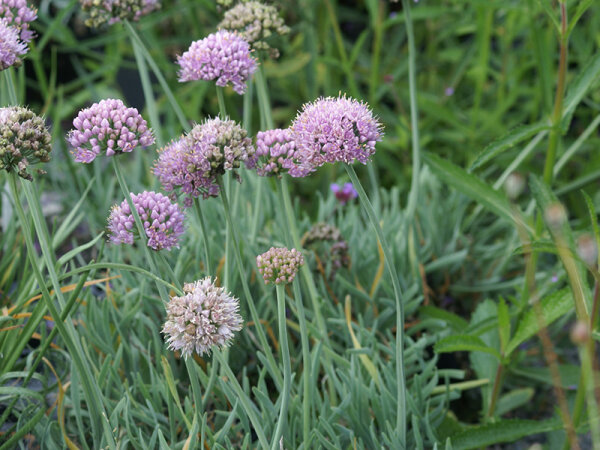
x: 329, y: 246
x: 11, y: 47
x: 24, y: 140
x: 101, y: 12
x: 333, y: 130
x: 277, y: 154
x: 162, y: 220
x: 18, y: 14
x: 344, y: 193
x: 205, y: 316
x: 279, y: 265
x: 223, y: 56
x: 108, y: 126
x: 255, y: 22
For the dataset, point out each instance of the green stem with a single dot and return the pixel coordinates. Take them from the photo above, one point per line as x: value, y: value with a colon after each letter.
x: 263, y: 98
x: 221, y: 101
x: 12, y: 93
x: 277, y: 378
x: 200, y: 216
x: 287, y: 367
x: 66, y: 329
x: 159, y: 76
x: 400, y: 377
x: 495, y: 391
x: 246, y: 402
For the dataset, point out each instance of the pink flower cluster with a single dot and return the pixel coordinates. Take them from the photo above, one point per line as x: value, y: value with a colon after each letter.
x: 108, y: 126
x: 162, y: 220
x: 196, y: 160
x: 205, y: 316
x: 17, y: 14
x: 11, y: 47
x: 333, y: 130
x: 276, y: 153
x: 279, y: 265
x: 222, y: 56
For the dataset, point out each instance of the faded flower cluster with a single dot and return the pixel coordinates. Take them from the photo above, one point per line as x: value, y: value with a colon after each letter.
x: 279, y: 265
x: 161, y: 218
x: 24, y: 140
x: 108, y: 12
x: 204, y: 317
x: 108, y: 126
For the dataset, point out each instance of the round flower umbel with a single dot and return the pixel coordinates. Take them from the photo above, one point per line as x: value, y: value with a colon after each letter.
x: 24, y: 140
x: 344, y: 193
x: 101, y: 12
x: 18, y: 14
x: 161, y: 218
x: 276, y: 154
x: 256, y: 22
x: 204, y: 317
x: 11, y: 47
x: 108, y: 126
x: 222, y: 56
x: 279, y: 265
x: 333, y: 130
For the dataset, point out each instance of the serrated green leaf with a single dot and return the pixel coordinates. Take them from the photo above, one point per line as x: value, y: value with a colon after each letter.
x: 464, y: 343
x: 503, y: 324
x: 578, y: 88
x: 553, y: 306
x: 502, y: 431
x: 456, y: 322
x: 513, y: 400
x: 472, y: 186
x: 509, y: 140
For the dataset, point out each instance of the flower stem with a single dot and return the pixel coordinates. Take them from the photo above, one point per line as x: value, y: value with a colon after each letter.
x: 65, y: 328
x: 221, y: 101
x: 287, y: 367
x: 200, y: 216
x: 400, y: 377
x: 277, y: 378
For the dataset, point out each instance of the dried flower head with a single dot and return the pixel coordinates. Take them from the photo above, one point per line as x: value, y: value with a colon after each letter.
x: 18, y: 14
x: 108, y: 126
x: 333, y: 130
x: 205, y: 316
x: 344, y: 193
x: 24, y: 140
x: 329, y: 247
x: 11, y: 47
x: 277, y: 154
x: 108, y: 12
x: 279, y: 265
x: 255, y: 22
x: 162, y: 220
x: 222, y: 56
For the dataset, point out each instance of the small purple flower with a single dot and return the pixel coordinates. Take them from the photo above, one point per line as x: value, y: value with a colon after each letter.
x: 223, y: 56
x: 162, y: 220
x: 344, y: 194
x: 276, y: 152
x: 279, y: 265
x: 196, y: 160
x: 333, y: 130
x: 11, y: 47
x: 108, y: 126
x: 18, y: 14
x: 449, y: 91
x: 204, y: 317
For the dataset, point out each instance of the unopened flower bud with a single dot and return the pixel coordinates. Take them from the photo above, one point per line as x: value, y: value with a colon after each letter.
x: 587, y: 249
x: 580, y: 333
x: 555, y: 215
x: 514, y: 185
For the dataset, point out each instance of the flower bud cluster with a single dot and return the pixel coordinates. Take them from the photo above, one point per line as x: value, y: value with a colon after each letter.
x: 108, y: 12
x: 329, y: 246
x: 279, y: 265
x: 277, y: 154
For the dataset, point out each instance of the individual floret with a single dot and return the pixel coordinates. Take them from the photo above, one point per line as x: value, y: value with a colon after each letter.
x: 108, y: 126
x: 162, y: 220
x: 279, y: 265
x: 205, y: 316
x: 222, y: 56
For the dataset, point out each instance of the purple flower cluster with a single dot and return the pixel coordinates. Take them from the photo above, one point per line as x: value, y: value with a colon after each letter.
x: 11, y: 47
x: 223, y: 56
x: 333, y: 130
x: 108, y: 126
x: 101, y: 12
x: 345, y: 193
x: 279, y: 265
x: 162, y: 220
x: 17, y: 14
x: 276, y: 153
x: 196, y: 160
x: 205, y: 316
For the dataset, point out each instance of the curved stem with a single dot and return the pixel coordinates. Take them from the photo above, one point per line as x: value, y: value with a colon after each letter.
x: 400, y: 377
x: 253, y: 312
x: 287, y: 367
